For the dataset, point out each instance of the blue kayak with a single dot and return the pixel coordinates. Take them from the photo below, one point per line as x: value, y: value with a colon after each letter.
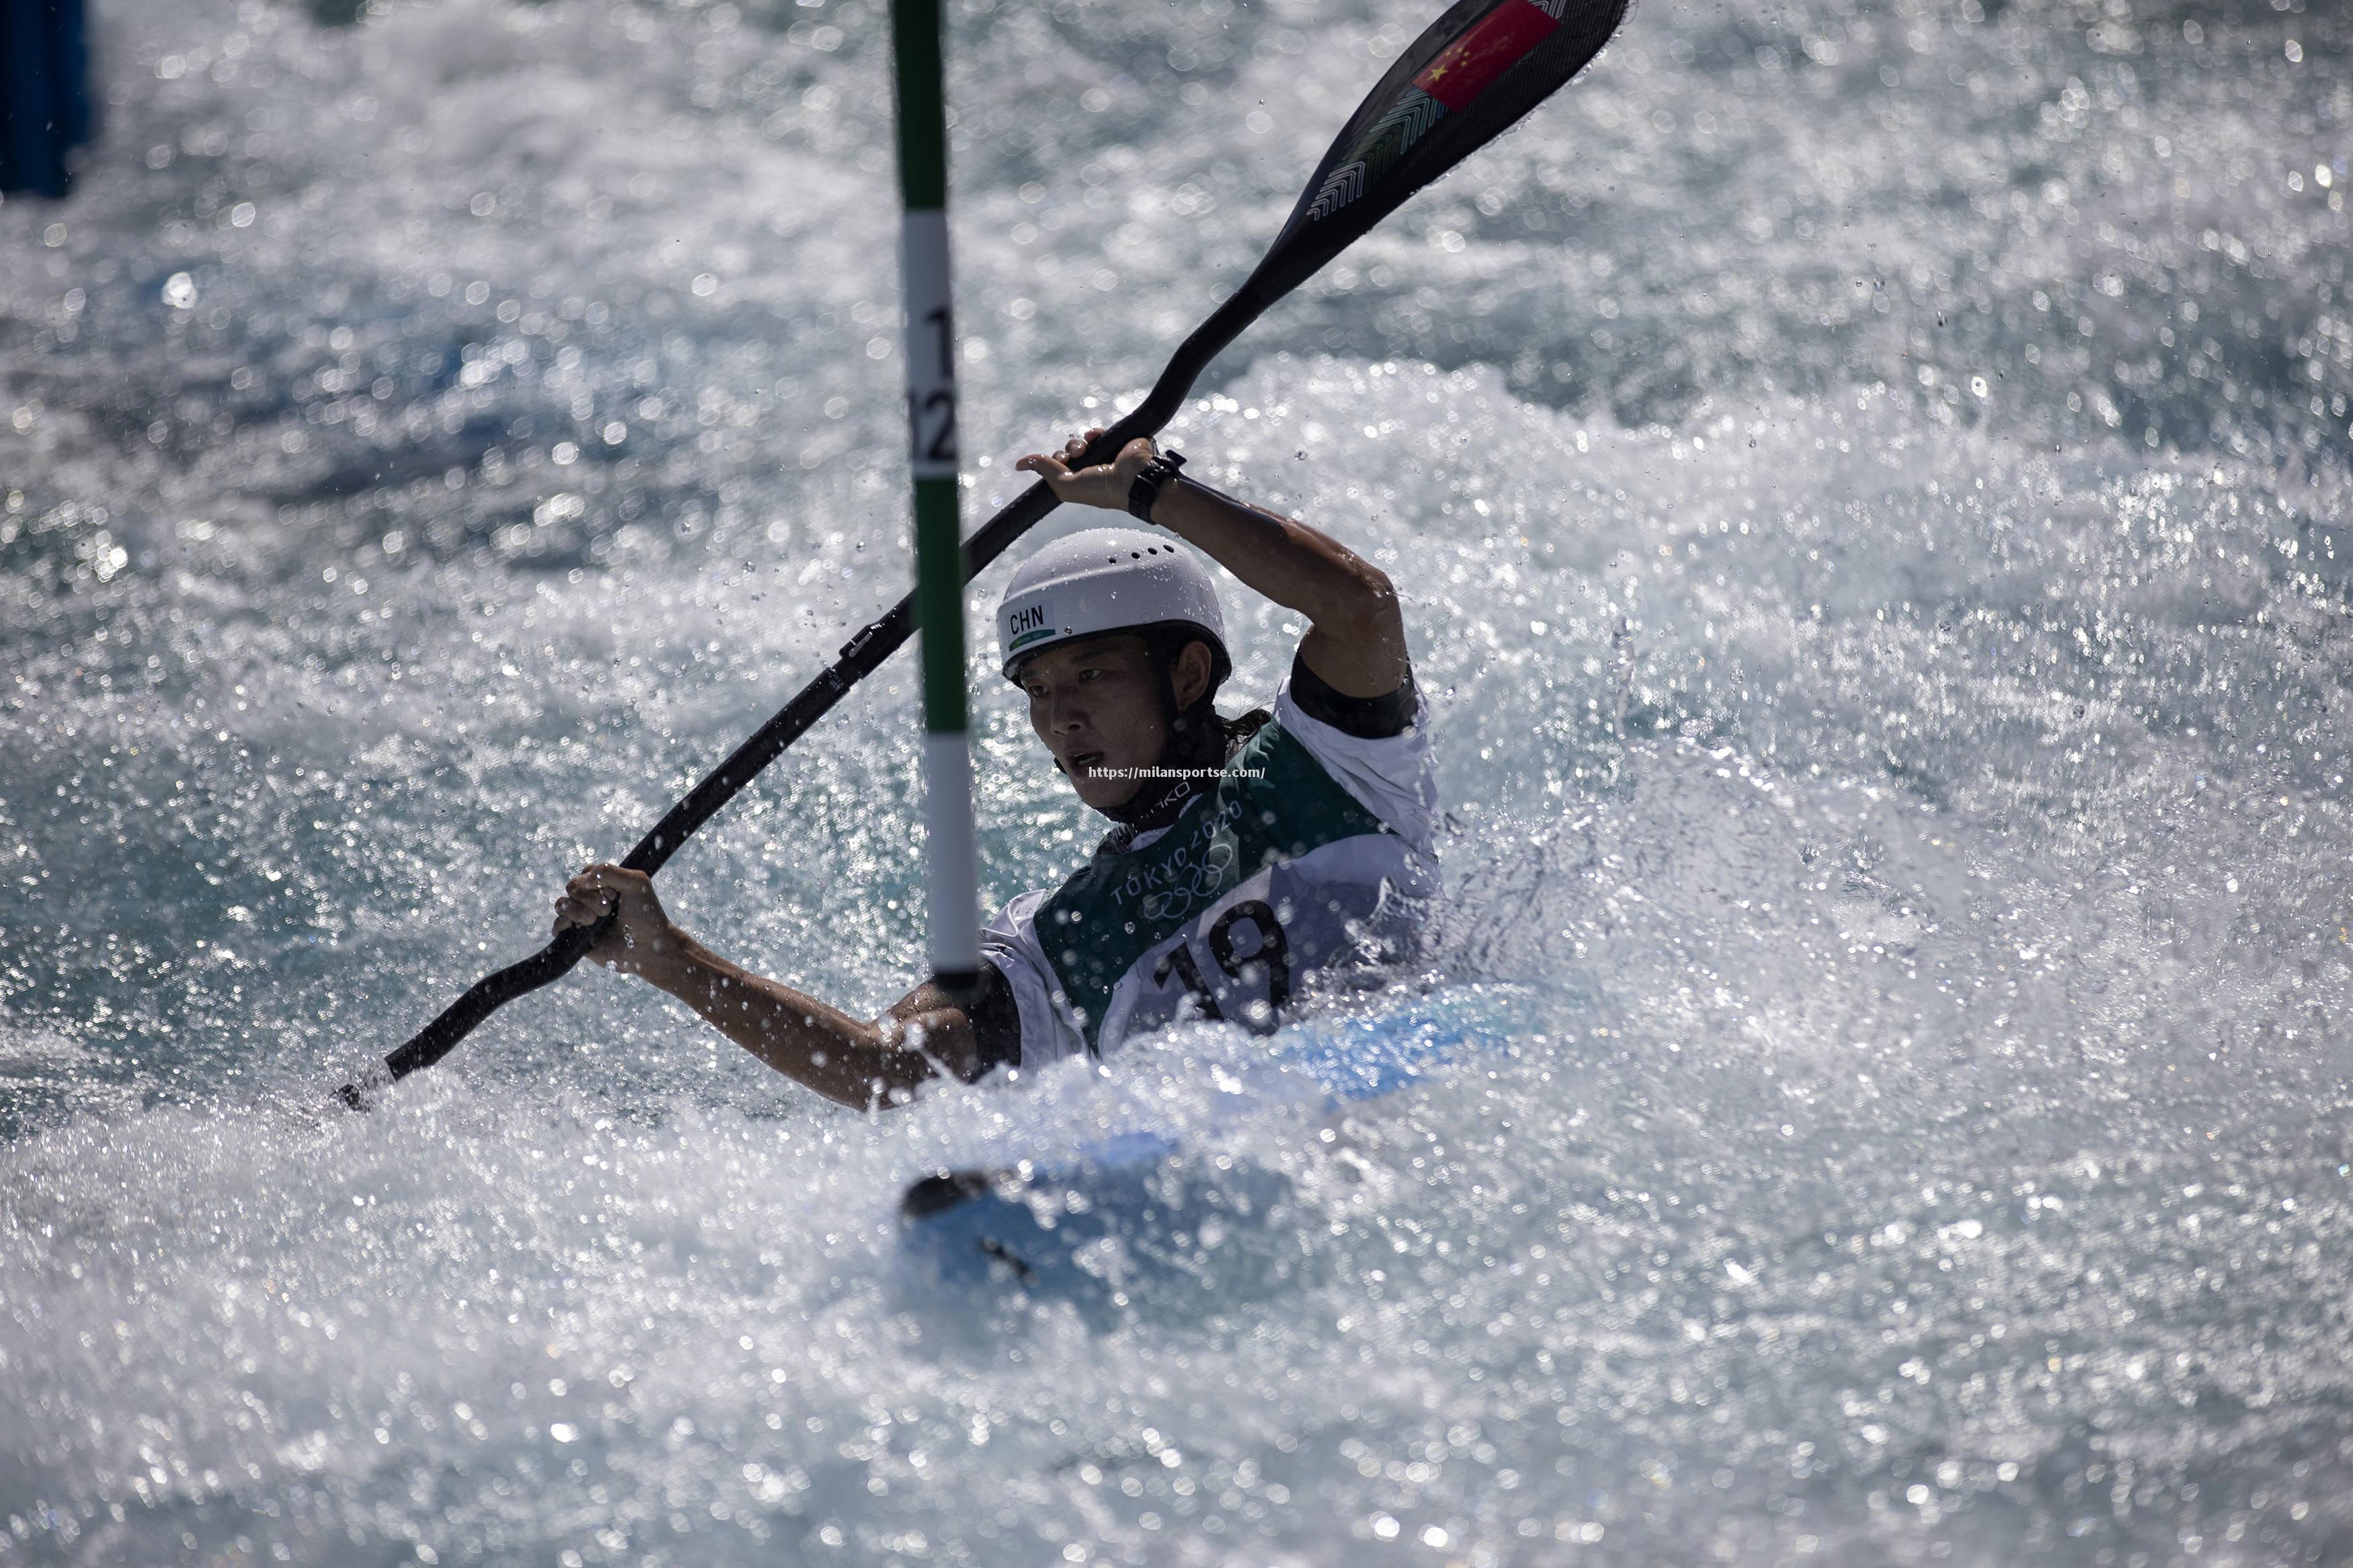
x: 1152, y: 1209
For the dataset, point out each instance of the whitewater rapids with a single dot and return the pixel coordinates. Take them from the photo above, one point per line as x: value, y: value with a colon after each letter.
x: 1870, y: 488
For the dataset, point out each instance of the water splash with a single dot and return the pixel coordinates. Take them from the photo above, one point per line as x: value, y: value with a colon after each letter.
x: 1911, y: 816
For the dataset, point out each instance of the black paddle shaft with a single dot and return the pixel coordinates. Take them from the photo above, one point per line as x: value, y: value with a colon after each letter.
x: 858, y: 657
x: 1472, y: 75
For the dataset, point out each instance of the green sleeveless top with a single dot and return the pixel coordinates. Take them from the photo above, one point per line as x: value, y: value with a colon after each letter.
x: 1274, y: 804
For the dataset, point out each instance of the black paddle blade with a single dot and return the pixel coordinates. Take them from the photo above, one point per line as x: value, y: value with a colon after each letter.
x: 1468, y: 78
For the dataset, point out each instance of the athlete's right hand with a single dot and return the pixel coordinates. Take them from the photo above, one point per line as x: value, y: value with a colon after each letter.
x: 1105, y: 485
x: 641, y: 938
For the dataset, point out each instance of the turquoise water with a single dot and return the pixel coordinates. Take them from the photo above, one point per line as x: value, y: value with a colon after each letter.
x: 1869, y: 486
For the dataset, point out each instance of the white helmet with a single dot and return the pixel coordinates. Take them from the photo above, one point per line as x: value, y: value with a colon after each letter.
x: 1107, y: 580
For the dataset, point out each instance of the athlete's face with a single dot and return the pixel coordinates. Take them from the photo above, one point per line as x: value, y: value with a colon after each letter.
x: 1096, y: 706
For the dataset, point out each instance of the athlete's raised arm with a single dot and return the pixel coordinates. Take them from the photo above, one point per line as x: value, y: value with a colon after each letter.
x: 1356, y: 637
x: 865, y: 1065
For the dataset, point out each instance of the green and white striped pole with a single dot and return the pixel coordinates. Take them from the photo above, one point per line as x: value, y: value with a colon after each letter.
x: 932, y: 433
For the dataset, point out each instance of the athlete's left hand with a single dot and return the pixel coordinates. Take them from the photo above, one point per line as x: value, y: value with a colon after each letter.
x: 1105, y: 485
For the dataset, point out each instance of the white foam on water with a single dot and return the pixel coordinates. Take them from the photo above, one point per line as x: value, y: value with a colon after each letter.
x: 1888, y: 656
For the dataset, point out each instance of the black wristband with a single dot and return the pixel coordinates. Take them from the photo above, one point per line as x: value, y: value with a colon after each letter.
x: 1146, y: 488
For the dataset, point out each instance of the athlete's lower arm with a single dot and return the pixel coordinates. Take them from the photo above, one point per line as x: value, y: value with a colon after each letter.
x: 862, y: 1065
x: 1356, y: 640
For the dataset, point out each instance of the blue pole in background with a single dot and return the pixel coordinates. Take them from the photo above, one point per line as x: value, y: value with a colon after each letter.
x: 45, y: 106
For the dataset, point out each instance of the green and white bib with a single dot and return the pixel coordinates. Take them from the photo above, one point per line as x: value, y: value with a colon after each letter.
x: 1313, y: 852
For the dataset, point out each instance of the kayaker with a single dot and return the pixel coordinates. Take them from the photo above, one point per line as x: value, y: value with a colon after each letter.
x: 1252, y: 859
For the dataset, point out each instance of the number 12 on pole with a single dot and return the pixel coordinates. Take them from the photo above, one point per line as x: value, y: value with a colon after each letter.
x: 954, y: 875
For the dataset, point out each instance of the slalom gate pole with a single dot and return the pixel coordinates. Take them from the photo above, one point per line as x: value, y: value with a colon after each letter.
x: 954, y: 884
